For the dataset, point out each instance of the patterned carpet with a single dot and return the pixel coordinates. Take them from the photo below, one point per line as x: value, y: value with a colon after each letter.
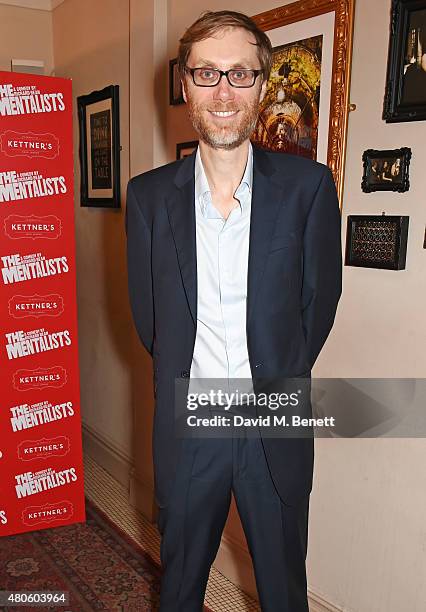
x: 96, y: 562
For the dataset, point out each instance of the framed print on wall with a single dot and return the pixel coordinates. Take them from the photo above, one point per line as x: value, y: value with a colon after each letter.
x: 183, y: 149
x: 306, y: 106
x: 175, y: 84
x: 405, y: 94
x: 98, y: 117
x: 386, y: 170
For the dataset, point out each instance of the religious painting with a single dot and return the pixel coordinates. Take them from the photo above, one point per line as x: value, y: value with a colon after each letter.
x: 289, y: 113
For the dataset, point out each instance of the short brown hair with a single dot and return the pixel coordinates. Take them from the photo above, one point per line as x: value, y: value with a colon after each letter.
x: 211, y: 22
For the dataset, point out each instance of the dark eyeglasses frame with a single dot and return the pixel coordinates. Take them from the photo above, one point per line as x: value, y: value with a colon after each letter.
x: 225, y: 73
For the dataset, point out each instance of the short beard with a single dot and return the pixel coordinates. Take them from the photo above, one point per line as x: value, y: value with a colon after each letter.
x: 225, y: 138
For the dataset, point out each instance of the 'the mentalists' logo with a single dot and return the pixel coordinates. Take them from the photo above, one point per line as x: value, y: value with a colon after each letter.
x: 27, y: 99
x: 32, y: 184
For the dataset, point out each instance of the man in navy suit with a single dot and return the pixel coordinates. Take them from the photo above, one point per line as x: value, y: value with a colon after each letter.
x: 234, y: 261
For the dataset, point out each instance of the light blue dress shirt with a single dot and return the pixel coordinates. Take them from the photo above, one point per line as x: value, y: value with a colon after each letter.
x: 220, y: 349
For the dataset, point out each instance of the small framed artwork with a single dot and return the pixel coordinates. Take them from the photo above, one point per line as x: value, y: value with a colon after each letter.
x: 405, y: 94
x: 386, y: 170
x: 175, y: 84
x: 183, y: 149
x: 376, y: 241
x: 98, y: 117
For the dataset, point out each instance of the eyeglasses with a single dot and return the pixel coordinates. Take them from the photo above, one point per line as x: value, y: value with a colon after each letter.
x: 236, y: 77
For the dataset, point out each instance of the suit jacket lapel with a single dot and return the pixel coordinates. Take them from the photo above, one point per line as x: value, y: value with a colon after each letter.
x: 266, y: 200
x: 181, y: 211
x: 265, y: 205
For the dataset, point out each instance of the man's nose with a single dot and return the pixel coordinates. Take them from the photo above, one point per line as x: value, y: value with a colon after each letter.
x: 223, y: 90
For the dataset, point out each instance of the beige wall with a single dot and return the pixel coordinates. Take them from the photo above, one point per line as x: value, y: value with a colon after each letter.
x: 91, y: 45
x: 25, y: 34
x: 380, y: 329
x: 367, y: 531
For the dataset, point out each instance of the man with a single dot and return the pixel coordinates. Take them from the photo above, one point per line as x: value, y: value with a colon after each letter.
x: 234, y: 264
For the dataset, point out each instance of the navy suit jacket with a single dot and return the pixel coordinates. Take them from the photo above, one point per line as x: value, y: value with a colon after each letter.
x: 293, y: 287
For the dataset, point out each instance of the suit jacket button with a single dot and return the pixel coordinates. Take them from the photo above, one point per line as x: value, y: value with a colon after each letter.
x: 184, y: 374
x: 258, y: 365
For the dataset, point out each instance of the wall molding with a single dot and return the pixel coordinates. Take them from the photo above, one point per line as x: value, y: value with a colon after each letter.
x: 120, y: 465
x: 40, y: 5
x: 233, y: 560
x: 141, y: 495
x: 107, y: 454
x: 317, y: 603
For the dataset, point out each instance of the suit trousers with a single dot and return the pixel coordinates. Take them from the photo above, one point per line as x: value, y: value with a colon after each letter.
x: 208, y: 472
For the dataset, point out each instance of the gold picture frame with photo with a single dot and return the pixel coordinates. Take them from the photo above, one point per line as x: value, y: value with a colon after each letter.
x: 305, y: 110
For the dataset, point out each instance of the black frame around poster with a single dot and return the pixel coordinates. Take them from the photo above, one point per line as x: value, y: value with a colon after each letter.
x: 111, y: 95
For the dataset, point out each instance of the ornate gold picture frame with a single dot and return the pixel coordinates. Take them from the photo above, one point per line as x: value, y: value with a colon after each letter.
x: 309, y: 84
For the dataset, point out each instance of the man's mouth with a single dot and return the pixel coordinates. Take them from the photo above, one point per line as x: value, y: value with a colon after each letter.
x: 224, y: 113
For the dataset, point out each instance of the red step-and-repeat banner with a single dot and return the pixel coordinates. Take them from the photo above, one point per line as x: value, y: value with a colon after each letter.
x: 41, y: 468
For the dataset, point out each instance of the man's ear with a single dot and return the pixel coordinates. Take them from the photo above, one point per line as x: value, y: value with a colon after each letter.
x: 263, y: 90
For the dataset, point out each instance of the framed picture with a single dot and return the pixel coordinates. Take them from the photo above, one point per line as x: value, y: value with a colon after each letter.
x: 305, y: 109
x: 175, y: 84
x: 183, y: 149
x: 376, y: 241
x: 386, y: 170
x: 98, y: 116
x: 405, y: 94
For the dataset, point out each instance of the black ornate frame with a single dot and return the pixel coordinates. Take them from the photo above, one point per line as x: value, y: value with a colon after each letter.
x: 402, y: 185
x: 394, y: 108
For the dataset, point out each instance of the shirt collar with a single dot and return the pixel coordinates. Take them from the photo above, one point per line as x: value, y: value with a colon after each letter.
x: 202, y: 189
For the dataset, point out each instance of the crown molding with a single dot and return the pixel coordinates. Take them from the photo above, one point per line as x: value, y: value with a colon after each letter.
x: 41, y: 5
